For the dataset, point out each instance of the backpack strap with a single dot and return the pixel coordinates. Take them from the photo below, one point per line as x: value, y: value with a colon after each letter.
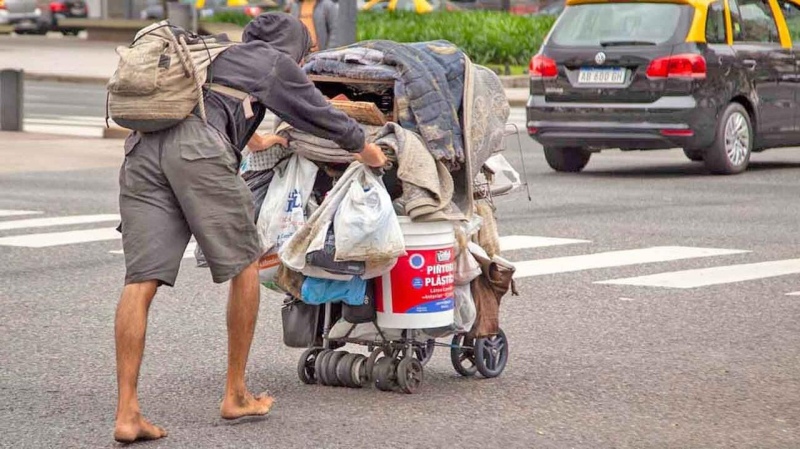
x: 244, y: 97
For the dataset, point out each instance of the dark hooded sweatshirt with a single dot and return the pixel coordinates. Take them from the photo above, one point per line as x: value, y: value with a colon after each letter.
x: 266, y: 65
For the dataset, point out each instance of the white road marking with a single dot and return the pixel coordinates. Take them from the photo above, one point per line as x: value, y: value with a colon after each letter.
x: 515, y: 242
x: 615, y: 259
x: 60, y: 238
x: 56, y: 221
x: 189, y: 253
x: 793, y: 294
x: 713, y: 276
x: 17, y: 213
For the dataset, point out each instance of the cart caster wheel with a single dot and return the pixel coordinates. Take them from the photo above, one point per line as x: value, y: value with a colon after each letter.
x: 385, y: 374
x: 344, y: 371
x: 306, y: 366
x: 371, y: 362
x: 424, y: 353
x: 319, y: 366
x: 491, y: 355
x: 462, y: 355
x: 330, y: 368
x: 359, y: 372
x: 409, y: 375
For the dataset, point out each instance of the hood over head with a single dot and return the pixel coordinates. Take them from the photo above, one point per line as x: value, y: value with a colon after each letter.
x: 282, y: 32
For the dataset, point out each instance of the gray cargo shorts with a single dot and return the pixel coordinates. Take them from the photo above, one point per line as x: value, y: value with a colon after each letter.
x: 176, y: 183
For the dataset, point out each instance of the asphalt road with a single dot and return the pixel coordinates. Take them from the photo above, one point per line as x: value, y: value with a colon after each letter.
x: 592, y: 365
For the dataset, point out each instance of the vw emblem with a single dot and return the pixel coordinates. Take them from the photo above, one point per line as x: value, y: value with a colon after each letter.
x: 600, y: 58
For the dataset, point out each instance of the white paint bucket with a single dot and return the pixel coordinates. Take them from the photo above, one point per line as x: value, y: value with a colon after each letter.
x: 418, y: 293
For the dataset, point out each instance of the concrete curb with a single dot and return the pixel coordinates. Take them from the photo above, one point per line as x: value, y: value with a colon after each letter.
x: 62, y: 78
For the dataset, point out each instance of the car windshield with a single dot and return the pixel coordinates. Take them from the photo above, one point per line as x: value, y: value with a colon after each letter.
x: 607, y: 24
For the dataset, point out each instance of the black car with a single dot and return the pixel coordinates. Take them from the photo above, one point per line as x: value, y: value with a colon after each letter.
x: 67, y: 9
x: 718, y: 78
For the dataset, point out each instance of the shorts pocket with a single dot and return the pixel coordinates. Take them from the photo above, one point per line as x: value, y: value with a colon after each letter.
x: 131, y: 141
x: 208, y: 148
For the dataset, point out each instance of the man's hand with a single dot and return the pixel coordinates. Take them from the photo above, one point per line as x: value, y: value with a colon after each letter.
x: 261, y: 142
x: 372, y: 155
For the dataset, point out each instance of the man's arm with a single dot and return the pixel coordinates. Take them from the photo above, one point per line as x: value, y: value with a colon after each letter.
x: 295, y: 99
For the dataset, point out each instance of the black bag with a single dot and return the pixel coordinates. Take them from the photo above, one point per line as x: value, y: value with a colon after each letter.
x: 324, y: 258
x: 301, y: 323
x: 364, y: 313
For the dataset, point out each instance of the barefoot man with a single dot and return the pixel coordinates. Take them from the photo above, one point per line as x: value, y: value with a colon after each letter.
x: 184, y: 181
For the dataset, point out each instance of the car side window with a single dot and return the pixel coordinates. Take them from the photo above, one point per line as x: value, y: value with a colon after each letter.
x: 715, y: 24
x: 791, y: 13
x: 756, y: 22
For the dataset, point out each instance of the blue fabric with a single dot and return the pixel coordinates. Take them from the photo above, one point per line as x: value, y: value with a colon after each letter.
x: 429, y: 86
x: 317, y: 291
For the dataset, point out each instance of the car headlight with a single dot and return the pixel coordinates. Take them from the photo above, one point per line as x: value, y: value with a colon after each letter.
x: 37, y: 11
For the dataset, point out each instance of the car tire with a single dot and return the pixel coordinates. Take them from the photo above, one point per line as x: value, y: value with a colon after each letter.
x: 693, y: 155
x: 733, y: 142
x: 569, y: 159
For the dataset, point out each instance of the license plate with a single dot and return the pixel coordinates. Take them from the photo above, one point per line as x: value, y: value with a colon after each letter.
x: 601, y: 76
x: 78, y: 11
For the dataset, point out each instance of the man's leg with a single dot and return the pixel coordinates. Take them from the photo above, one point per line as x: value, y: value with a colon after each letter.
x: 130, y: 329
x: 242, y: 314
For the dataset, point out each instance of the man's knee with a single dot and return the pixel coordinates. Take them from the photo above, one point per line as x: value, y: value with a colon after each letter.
x: 144, y: 290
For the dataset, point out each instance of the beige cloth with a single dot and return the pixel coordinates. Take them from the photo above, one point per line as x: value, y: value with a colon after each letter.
x: 427, y: 184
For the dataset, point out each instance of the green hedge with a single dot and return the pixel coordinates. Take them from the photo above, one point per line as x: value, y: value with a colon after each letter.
x: 488, y: 37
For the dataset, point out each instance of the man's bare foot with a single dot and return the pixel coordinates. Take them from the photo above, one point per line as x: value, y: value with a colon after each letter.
x: 238, y: 407
x: 137, y: 429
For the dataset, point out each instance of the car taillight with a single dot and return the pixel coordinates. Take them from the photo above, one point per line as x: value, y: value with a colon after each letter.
x: 542, y: 67
x: 58, y: 7
x: 252, y: 11
x: 678, y: 66
x: 2, y: 4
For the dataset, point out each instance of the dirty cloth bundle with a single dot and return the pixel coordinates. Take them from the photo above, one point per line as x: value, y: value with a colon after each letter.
x: 428, y: 86
x: 318, y: 149
x: 458, y: 108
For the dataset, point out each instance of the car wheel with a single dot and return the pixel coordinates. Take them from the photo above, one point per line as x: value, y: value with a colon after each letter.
x: 733, y: 143
x: 570, y: 159
x: 693, y: 155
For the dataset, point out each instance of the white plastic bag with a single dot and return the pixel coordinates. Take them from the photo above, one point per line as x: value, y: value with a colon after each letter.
x: 283, y: 211
x: 365, y: 226
x: 465, y: 311
x: 467, y: 268
x: 505, y: 178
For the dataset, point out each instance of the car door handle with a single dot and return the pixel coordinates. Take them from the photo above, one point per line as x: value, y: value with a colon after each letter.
x: 750, y: 63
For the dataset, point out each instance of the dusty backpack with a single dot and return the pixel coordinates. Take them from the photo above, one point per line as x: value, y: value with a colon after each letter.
x: 161, y: 77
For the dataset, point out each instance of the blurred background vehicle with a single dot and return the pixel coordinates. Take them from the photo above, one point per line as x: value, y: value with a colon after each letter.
x: 23, y: 15
x: 66, y: 9
x: 207, y: 8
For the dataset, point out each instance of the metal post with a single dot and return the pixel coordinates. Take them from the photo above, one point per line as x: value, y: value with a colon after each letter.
x: 180, y: 14
x: 11, y: 85
x: 345, y: 33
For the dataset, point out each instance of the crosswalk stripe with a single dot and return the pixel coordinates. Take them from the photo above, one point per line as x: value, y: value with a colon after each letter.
x: 17, y: 213
x: 713, y: 276
x: 60, y: 238
x: 186, y: 254
x: 615, y: 259
x: 517, y: 242
x: 56, y: 221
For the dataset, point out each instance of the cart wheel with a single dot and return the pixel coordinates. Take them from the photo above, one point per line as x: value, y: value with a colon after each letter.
x: 409, y: 375
x: 491, y: 355
x: 462, y: 355
x: 424, y: 353
x: 359, y: 372
x: 385, y: 374
x: 306, y: 366
x: 319, y: 366
x: 370, y: 363
x: 344, y: 371
x: 330, y: 368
